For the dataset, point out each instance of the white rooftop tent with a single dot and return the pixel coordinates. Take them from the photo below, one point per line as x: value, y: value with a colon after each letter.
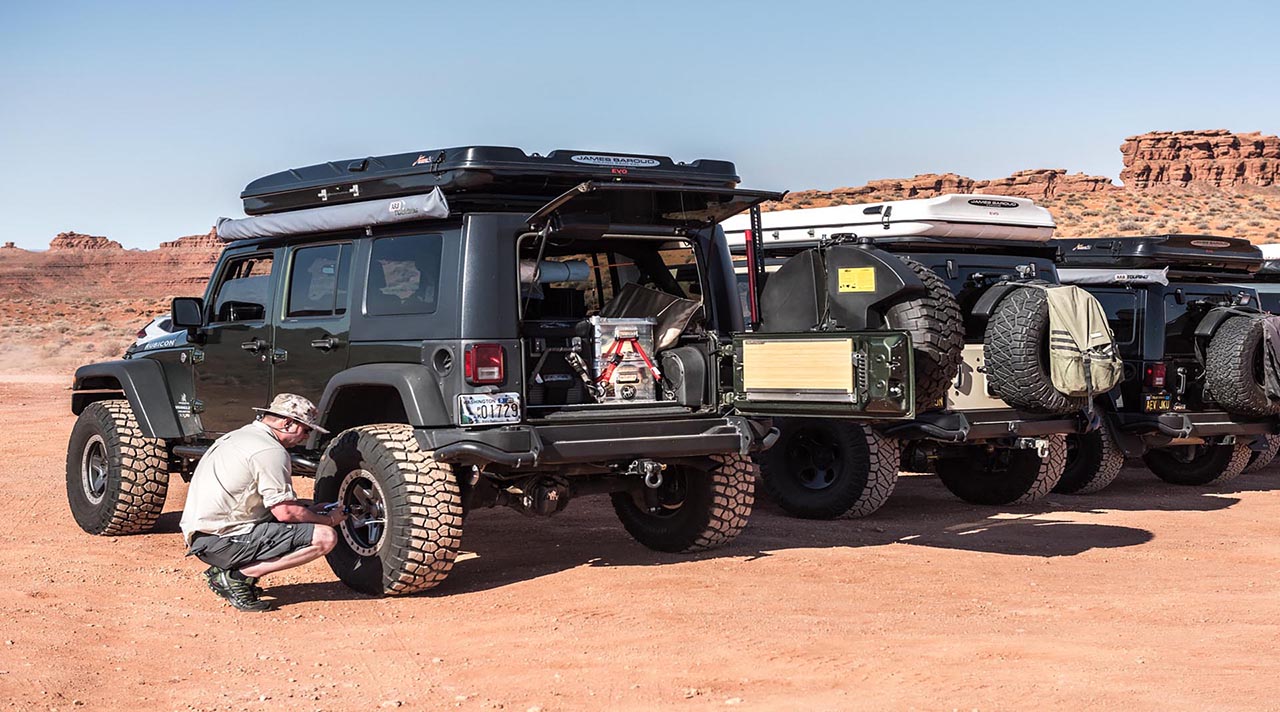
x: 956, y: 215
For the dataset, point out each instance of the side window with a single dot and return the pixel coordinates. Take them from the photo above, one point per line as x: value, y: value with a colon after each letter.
x: 318, y: 281
x: 404, y: 275
x: 245, y: 290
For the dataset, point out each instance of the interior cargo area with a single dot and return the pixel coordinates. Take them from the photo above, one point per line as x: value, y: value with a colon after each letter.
x: 612, y: 323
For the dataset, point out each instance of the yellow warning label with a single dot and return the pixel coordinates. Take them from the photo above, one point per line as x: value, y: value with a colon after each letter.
x: 857, y: 279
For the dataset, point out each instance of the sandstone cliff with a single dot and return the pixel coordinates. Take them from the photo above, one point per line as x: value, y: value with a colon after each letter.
x: 209, y: 242
x: 1216, y: 158
x: 76, y: 241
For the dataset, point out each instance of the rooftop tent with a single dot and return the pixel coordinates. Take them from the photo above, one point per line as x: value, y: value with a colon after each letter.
x: 485, y: 175
x: 1180, y: 253
x: 970, y: 216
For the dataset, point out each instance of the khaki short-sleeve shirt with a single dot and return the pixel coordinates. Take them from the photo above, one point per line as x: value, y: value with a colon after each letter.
x: 239, y: 478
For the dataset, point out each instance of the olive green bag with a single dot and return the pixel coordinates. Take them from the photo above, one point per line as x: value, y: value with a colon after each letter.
x: 1083, y: 359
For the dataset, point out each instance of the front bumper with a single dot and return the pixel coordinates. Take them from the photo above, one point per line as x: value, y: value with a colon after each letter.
x: 1207, y: 424
x: 979, y: 425
x: 538, y: 446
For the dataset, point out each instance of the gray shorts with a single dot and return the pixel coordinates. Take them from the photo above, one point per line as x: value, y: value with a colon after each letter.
x: 267, y: 540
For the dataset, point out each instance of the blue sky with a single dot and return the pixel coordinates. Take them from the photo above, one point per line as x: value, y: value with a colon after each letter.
x: 143, y: 121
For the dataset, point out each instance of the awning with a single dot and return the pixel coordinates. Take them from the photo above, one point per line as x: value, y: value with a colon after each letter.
x: 337, y: 217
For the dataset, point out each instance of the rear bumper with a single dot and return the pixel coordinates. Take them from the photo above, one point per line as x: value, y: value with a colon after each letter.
x: 978, y: 425
x: 1192, y: 425
x: 536, y: 446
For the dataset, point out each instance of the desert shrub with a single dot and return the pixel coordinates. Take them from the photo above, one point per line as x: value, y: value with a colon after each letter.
x: 1202, y: 225
x: 1128, y: 226
x: 1255, y: 223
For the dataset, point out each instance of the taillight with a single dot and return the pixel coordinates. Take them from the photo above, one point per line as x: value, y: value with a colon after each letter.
x: 141, y: 333
x: 483, y: 364
x: 1153, y: 375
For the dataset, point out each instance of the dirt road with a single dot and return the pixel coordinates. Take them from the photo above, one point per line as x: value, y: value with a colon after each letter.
x: 1145, y: 596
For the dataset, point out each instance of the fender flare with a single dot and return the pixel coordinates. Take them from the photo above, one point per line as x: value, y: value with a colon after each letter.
x: 143, y: 383
x: 418, y: 386
x: 990, y: 299
x: 1215, y: 318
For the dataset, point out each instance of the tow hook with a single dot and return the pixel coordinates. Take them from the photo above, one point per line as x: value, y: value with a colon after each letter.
x: 1040, y: 445
x: 648, y: 470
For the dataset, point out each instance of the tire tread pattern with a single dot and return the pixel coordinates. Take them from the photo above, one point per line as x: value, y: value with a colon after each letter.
x: 1229, y: 368
x: 143, y: 467
x: 936, y: 325
x: 1014, y: 350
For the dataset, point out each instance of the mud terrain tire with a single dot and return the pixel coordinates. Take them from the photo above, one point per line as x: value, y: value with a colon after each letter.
x: 1093, y: 462
x: 1016, y: 350
x: 1233, y: 368
x: 1006, y: 476
x: 1261, y: 458
x: 116, y: 478
x: 827, y: 469
x: 699, y: 510
x: 418, y: 500
x: 936, y: 325
x: 1210, y: 465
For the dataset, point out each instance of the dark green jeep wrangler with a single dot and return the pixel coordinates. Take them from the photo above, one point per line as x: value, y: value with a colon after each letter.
x: 478, y: 327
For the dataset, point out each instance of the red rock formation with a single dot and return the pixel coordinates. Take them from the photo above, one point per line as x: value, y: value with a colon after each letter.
x: 1216, y: 158
x: 76, y: 241
x: 208, y: 242
x: 1035, y: 183
x: 8, y: 246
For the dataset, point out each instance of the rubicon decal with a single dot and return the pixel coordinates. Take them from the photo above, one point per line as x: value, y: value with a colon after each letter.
x: 615, y: 161
x: 988, y: 203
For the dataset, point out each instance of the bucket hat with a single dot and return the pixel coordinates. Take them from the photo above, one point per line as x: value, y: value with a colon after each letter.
x: 294, y: 407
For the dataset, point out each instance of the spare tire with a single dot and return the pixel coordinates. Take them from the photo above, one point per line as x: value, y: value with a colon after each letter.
x: 1016, y: 351
x: 936, y: 326
x: 1233, y: 368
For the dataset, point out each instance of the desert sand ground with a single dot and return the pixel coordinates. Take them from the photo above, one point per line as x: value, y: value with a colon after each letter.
x: 1143, y: 597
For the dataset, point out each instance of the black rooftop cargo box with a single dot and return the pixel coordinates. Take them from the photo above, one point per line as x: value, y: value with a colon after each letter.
x: 1180, y: 253
x: 481, y: 174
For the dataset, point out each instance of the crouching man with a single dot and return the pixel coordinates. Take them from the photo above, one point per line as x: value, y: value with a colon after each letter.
x: 242, y: 516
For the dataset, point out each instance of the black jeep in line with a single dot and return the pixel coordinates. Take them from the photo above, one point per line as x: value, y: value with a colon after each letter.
x: 1193, y: 404
x: 988, y: 419
x: 479, y: 327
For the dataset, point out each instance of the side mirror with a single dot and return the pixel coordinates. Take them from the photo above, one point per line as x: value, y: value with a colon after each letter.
x: 187, y: 312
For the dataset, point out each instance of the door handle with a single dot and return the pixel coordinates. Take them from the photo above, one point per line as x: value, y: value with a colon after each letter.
x: 253, y: 345
x: 328, y: 343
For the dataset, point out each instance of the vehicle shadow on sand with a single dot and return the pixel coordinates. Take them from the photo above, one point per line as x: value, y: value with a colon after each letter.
x: 501, y: 547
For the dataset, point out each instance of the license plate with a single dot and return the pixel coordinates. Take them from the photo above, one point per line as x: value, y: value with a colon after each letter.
x: 488, y: 408
x: 1157, y: 404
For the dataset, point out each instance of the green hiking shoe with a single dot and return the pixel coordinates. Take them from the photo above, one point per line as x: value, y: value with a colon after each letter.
x: 239, y: 593
x: 211, y: 572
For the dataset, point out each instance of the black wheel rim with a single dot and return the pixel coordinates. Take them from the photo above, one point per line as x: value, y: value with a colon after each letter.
x: 93, y: 469
x: 366, y: 522
x: 813, y: 457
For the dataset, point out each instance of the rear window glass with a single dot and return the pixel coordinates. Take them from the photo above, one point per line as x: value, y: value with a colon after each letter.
x: 404, y: 275
x: 1181, y: 319
x: 1121, y: 308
